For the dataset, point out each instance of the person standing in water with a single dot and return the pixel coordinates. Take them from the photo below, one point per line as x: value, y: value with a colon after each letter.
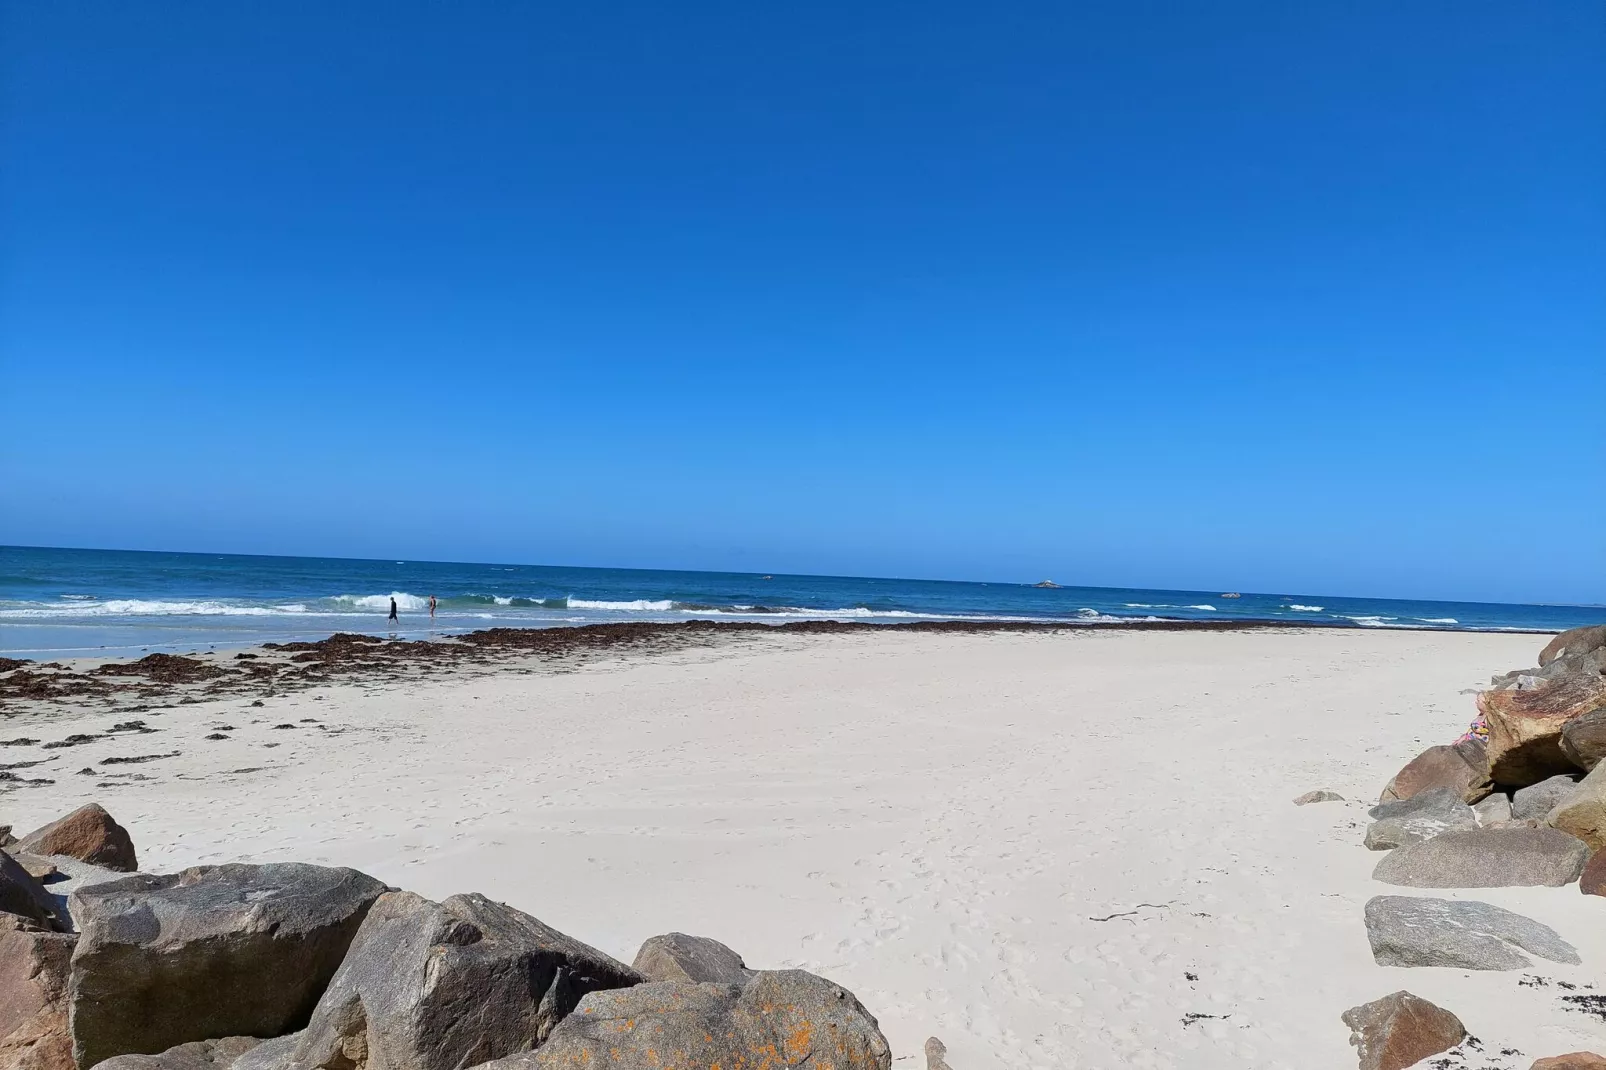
x: 393, y: 618
x: 431, y: 607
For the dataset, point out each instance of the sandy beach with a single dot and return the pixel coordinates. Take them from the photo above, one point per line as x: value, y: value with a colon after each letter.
x: 1066, y: 849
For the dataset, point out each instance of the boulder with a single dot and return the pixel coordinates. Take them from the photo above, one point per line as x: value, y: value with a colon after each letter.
x: 1575, y: 641
x: 1512, y: 857
x: 6, y: 838
x: 196, y: 1055
x: 1413, y: 931
x: 1592, y: 881
x: 1316, y: 797
x: 1495, y: 810
x: 1396, y: 1031
x: 214, y: 951
x: 678, y: 957
x: 1583, y: 739
x: 779, y: 1019
x: 1582, y: 811
x: 88, y: 834
x: 936, y: 1055
x: 439, y: 986
x: 1536, y: 800
x: 1525, y: 726
x: 1463, y: 765
x: 275, y: 1054
x: 1420, y: 817
x: 69, y: 876
x: 22, y: 894
x: 34, y: 968
x: 1578, y: 1060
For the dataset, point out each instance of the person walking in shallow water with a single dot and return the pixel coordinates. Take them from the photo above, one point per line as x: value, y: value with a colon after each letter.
x: 393, y: 618
x: 432, y: 607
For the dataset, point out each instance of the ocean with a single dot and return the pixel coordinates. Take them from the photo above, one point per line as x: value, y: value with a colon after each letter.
x: 58, y: 602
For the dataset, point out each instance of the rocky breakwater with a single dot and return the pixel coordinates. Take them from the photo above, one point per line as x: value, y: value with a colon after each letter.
x: 300, y: 967
x: 1518, y: 801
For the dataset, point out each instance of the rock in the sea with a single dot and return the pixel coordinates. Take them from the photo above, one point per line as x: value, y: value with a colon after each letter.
x: 1421, y: 817
x: 1397, y: 1031
x: 1495, y: 810
x: 88, y: 834
x: 678, y: 957
x: 1318, y: 796
x: 1575, y: 641
x: 1578, y: 1060
x: 1582, y: 811
x: 1463, y: 766
x: 1509, y: 857
x: 34, y: 968
x: 1536, y: 800
x: 785, y: 1018
x: 1583, y: 739
x: 1418, y: 931
x: 440, y: 986
x: 214, y: 951
x: 22, y: 894
x: 936, y: 1055
x: 1592, y: 881
x: 1525, y: 726
x: 196, y: 1055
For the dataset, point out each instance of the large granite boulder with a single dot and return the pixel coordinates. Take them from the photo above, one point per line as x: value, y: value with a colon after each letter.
x: 678, y: 957
x: 1525, y: 726
x: 34, y: 967
x: 1592, y: 881
x: 1582, y: 811
x: 779, y: 1019
x: 66, y: 876
x: 1583, y: 739
x: 1578, y: 1060
x: 1413, y: 931
x: 1576, y: 641
x: 197, y: 1055
x: 1495, y: 810
x: 214, y: 951
x: 1536, y: 800
x: 440, y: 986
x: 1463, y: 766
x: 22, y: 894
x: 1513, y: 857
x: 276, y: 1054
x: 88, y: 834
x: 1400, y: 1030
x: 1420, y: 817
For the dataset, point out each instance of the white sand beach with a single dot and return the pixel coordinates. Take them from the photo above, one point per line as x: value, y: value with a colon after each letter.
x: 1049, y: 850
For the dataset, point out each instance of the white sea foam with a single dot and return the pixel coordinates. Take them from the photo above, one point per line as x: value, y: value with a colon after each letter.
x: 1438, y: 620
x: 501, y: 601
x: 139, y: 607
x: 1212, y: 609
x: 636, y: 606
x: 405, y: 601
x: 1297, y: 608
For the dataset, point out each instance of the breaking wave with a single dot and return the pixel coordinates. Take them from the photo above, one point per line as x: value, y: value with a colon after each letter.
x: 1297, y: 608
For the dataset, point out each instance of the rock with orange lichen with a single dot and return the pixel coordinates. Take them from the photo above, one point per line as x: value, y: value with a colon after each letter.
x: 782, y: 1018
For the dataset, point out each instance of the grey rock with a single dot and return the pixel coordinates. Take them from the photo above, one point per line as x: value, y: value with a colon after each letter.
x: 70, y: 875
x: 936, y: 1055
x: 1411, y: 931
x: 1400, y: 1030
x: 440, y: 986
x: 1537, y: 800
x: 214, y: 951
x: 778, y: 1019
x: 1582, y: 812
x: 678, y: 957
x: 22, y: 894
x: 1316, y: 797
x: 1495, y: 810
x: 1583, y: 739
x: 1421, y: 817
x: 196, y: 1055
x: 275, y: 1054
x: 1574, y: 642
x: 1512, y: 857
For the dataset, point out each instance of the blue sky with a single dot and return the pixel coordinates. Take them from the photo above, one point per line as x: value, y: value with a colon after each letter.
x: 1244, y: 296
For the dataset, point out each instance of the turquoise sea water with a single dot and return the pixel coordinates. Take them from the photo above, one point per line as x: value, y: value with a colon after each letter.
x: 68, y: 602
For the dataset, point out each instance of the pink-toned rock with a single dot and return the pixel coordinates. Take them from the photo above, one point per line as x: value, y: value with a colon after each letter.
x: 1400, y: 1030
x: 1583, y: 640
x: 34, y: 967
x: 1578, y: 1060
x: 1525, y: 727
x: 88, y: 834
x: 1463, y: 766
x: 1592, y: 881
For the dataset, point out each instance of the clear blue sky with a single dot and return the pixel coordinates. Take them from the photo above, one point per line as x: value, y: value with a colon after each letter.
x: 1268, y: 296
